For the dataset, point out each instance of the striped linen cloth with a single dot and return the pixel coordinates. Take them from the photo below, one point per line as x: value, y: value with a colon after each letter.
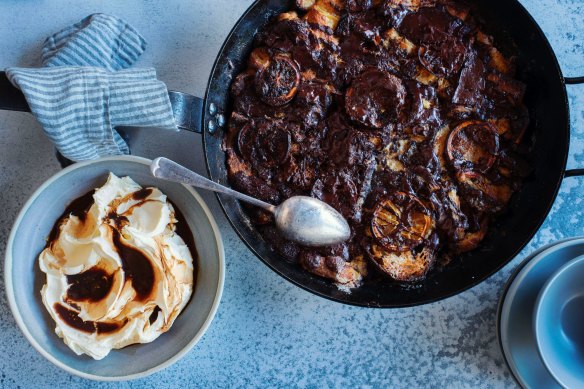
x: 83, y: 92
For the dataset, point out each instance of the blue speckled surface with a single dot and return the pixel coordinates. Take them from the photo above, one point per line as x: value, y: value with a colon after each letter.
x: 267, y: 332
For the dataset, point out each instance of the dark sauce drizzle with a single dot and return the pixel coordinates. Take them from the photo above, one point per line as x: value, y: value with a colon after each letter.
x: 154, y: 315
x: 142, y: 194
x: 78, y: 207
x: 91, y: 285
x: 72, y: 318
x: 136, y: 266
x: 184, y: 231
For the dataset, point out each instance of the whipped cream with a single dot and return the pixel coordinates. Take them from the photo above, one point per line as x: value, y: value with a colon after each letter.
x: 117, y: 271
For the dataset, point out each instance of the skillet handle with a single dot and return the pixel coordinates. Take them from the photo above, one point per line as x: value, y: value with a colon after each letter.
x: 573, y: 172
x: 573, y: 80
x: 187, y: 109
x: 11, y: 98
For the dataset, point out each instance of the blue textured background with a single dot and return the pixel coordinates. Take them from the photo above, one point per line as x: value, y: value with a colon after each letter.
x: 267, y: 332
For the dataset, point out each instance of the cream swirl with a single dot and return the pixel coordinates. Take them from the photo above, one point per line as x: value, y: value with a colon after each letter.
x: 117, y: 271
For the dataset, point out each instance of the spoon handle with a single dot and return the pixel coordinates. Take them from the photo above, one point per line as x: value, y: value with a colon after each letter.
x: 168, y: 170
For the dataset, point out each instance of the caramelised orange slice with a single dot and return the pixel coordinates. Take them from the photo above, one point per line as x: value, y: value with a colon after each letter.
x: 375, y: 98
x: 277, y: 82
x: 473, y: 145
x: 401, y: 222
x: 265, y: 143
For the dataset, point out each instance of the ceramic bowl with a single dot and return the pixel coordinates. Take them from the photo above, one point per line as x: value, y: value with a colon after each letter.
x: 24, y: 279
x: 558, y: 319
x: 516, y: 311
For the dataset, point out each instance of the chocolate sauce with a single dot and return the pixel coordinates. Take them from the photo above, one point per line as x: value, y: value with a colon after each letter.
x: 430, y: 25
x: 375, y: 98
x: 118, y: 221
x: 91, y: 285
x: 183, y: 230
x: 78, y: 207
x: 136, y: 265
x: 105, y: 327
x: 154, y: 315
x: 141, y: 194
x: 72, y: 319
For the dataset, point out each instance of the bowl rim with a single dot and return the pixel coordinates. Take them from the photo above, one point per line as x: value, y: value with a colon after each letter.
x: 10, y: 287
x: 538, y: 326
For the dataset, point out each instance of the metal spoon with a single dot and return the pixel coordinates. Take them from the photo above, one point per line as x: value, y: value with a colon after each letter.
x: 302, y: 219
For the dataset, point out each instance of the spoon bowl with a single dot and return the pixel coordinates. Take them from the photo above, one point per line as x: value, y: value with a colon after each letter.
x: 311, y: 222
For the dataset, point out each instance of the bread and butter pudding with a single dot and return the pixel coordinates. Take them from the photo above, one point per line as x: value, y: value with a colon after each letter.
x: 118, y: 269
x: 401, y: 114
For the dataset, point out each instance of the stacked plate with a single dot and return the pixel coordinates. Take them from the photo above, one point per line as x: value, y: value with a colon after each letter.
x: 539, y: 309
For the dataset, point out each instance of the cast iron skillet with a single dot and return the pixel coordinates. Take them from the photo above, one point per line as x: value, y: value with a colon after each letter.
x: 546, y: 98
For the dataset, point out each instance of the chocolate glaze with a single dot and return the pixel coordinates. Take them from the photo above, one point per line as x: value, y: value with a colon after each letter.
x: 72, y: 319
x: 91, y: 285
x: 184, y: 231
x: 118, y: 221
x: 142, y: 194
x: 136, y: 265
x: 77, y: 207
x: 377, y: 100
x: 154, y: 315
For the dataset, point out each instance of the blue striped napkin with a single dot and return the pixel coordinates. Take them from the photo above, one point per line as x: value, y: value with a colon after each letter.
x: 83, y: 93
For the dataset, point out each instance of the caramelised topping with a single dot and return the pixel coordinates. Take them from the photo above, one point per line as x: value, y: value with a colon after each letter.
x: 401, y: 114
